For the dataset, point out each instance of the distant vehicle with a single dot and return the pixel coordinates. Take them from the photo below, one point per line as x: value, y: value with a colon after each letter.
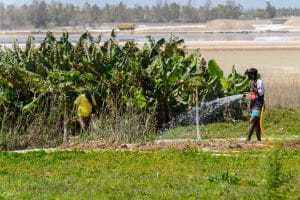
x: 123, y: 27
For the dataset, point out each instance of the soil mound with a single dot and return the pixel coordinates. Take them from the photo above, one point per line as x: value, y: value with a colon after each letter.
x: 293, y: 22
x: 228, y: 25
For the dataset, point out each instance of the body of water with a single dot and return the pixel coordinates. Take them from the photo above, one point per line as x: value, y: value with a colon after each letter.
x: 197, y: 37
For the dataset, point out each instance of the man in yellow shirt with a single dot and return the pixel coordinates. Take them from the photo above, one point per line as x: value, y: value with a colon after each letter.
x: 85, y: 107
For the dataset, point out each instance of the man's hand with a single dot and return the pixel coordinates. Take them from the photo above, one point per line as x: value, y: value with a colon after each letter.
x: 246, y: 94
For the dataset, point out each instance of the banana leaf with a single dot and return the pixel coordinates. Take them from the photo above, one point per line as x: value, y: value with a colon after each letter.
x: 214, y: 69
x: 30, y: 106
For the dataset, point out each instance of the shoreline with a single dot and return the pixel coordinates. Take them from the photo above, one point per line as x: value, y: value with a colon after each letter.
x: 241, y: 45
x: 23, y: 33
x: 226, y: 45
x: 210, y: 40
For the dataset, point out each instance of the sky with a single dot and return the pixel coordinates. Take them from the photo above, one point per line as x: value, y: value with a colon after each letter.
x: 245, y: 3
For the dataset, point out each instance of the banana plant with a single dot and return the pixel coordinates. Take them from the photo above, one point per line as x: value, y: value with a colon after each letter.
x: 234, y: 83
x: 169, y: 76
x: 160, y: 77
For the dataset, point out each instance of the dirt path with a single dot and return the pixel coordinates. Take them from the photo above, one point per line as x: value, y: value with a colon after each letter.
x: 216, y: 145
x: 205, y: 145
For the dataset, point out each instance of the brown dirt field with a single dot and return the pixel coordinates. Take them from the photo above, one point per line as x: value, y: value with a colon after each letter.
x: 206, y: 145
x: 292, y: 144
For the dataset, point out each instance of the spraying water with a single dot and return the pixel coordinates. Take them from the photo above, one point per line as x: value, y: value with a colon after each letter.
x: 213, y: 111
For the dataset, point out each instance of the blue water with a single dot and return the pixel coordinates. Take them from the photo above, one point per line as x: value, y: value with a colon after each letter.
x: 187, y: 37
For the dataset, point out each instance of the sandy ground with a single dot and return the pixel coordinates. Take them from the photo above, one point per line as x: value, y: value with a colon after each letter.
x: 294, y: 21
x: 270, y: 62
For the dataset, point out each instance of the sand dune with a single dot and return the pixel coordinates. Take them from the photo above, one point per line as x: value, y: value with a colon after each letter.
x: 227, y: 24
x: 295, y: 21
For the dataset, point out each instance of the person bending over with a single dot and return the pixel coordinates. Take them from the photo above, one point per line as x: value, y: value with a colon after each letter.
x: 85, y: 104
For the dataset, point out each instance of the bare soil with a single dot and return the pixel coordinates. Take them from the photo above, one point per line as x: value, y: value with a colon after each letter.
x: 206, y: 145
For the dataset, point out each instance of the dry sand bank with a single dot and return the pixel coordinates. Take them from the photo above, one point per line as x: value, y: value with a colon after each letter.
x: 243, y: 45
x: 294, y: 21
x: 271, y: 61
x: 226, y: 24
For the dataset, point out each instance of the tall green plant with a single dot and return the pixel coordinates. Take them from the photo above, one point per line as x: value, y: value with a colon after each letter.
x: 234, y: 83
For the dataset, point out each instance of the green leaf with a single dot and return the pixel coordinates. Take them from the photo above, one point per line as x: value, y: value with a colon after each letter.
x: 214, y: 69
x: 242, y: 86
x: 30, y: 107
x: 88, y: 77
x: 140, y: 98
x: 225, y: 83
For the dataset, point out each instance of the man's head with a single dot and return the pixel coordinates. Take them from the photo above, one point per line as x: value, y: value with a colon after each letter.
x: 251, y: 73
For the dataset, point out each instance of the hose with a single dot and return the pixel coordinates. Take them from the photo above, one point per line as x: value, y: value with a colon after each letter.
x: 261, y: 125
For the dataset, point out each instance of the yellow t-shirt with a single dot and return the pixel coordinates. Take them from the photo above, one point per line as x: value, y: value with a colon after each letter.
x: 84, y: 106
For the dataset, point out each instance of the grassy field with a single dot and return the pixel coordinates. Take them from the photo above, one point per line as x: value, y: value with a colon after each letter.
x: 171, y: 174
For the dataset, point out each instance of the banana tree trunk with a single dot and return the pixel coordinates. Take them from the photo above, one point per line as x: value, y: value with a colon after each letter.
x: 164, y: 112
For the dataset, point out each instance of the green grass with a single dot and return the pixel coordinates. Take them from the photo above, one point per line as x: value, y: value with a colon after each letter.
x: 278, y: 123
x: 158, y: 175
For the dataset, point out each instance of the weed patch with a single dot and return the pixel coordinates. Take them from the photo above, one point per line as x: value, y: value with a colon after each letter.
x: 225, y: 177
x: 277, y: 178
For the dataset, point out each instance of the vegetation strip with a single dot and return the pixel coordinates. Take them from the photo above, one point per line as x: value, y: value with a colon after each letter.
x: 264, y: 156
x: 291, y: 137
x: 137, y: 90
x: 213, y: 153
x: 156, y: 175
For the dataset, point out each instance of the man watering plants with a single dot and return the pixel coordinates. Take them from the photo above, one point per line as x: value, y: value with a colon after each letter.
x: 85, y: 107
x: 256, y: 96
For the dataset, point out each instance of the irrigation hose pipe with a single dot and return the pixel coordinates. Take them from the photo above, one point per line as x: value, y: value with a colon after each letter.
x: 261, y: 125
